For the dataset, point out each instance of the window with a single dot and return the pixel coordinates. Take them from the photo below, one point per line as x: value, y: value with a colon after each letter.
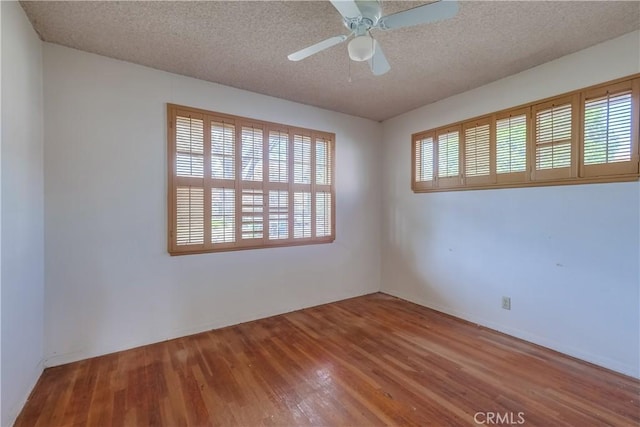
x: 589, y: 135
x: 554, y: 139
x: 477, y: 152
x: 258, y: 185
x: 423, y: 162
x: 511, y: 146
x: 448, y: 157
x: 610, y: 145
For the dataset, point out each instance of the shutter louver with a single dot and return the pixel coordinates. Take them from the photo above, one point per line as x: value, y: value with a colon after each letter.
x: 323, y: 214
x: 447, y: 158
x: 223, y: 215
x: 252, y: 144
x: 477, y: 151
x: 301, y: 159
x: 223, y: 143
x: 189, y: 216
x: 323, y: 162
x: 553, y: 137
x: 301, y: 215
x: 511, y: 148
x: 189, y: 147
x: 321, y: 219
x: 278, y: 156
x: 608, y: 132
x: 252, y: 214
x: 607, y: 129
x: 448, y: 154
x: 278, y: 215
x: 424, y: 159
x: 553, y: 140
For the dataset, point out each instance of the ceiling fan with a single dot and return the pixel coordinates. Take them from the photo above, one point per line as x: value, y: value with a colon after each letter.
x: 362, y: 16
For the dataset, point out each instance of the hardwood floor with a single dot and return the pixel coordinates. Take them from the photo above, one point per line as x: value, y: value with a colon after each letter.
x: 372, y: 360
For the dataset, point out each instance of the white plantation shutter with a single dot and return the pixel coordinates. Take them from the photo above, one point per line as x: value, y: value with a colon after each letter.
x: 301, y: 215
x: 301, y: 159
x: 511, y: 146
x: 278, y: 215
x: 321, y: 203
x: 448, y: 157
x: 322, y: 226
x: 609, y: 139
x: 553, y: 145
x: 302, y: 187
x: 189, y: 216
x: 553, y: 139
x: 223, y: 150
x: 279, y: 148
x: 607, y: 129
x: 448, y: 154
x: 189, y: 146
x: 223, y: 215
x: 252, y: 226
x: 188, y: 195
x: 252, y: 196
x: 477, y: 152
x: 323, y: 161
x: 323, y: 214
x: 278, y: 156
x: 423, y: 150
x: 252, y: 149
x: 238, y: 183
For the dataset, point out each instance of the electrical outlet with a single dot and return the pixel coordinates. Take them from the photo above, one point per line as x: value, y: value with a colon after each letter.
x: 506, y: 303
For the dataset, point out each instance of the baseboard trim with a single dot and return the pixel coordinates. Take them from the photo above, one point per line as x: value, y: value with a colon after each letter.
x: 75, y: 356
x: 604, y: 362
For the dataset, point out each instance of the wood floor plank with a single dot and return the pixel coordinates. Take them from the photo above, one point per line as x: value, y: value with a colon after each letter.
x: 372, y: 360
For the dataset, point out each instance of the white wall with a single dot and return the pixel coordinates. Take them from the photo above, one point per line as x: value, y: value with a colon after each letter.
x: 22, y: 198
x: 110, y: 284
x: 567, y: 256
x: 1, y: 412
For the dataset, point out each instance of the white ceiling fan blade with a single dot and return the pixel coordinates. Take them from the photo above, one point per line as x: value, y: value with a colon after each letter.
x: 425, y: 14
x: 347, y: 8
x: 378, y: 62
x: 308, y: 51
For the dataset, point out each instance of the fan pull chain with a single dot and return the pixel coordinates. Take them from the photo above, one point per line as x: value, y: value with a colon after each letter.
x: 373, y: 49
x: 373, y: 44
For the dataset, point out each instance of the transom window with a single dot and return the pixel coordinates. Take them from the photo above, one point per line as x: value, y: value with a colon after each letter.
x: 589, y: 135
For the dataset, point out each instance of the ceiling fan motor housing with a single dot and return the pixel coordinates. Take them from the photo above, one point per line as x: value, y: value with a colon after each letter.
x: 371, y: 12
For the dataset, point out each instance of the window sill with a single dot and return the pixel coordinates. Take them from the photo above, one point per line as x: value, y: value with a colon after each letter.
x: 174, y: 252
x: 541, y: 183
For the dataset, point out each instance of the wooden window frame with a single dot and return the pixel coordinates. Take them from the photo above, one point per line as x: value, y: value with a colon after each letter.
x: 207, y: 183
x: 576, y: 173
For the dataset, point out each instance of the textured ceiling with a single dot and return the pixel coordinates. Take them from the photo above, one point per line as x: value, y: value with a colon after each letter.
x: 245, y: 45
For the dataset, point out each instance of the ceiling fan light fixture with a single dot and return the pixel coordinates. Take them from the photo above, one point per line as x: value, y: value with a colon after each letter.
x: 361, y: 48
